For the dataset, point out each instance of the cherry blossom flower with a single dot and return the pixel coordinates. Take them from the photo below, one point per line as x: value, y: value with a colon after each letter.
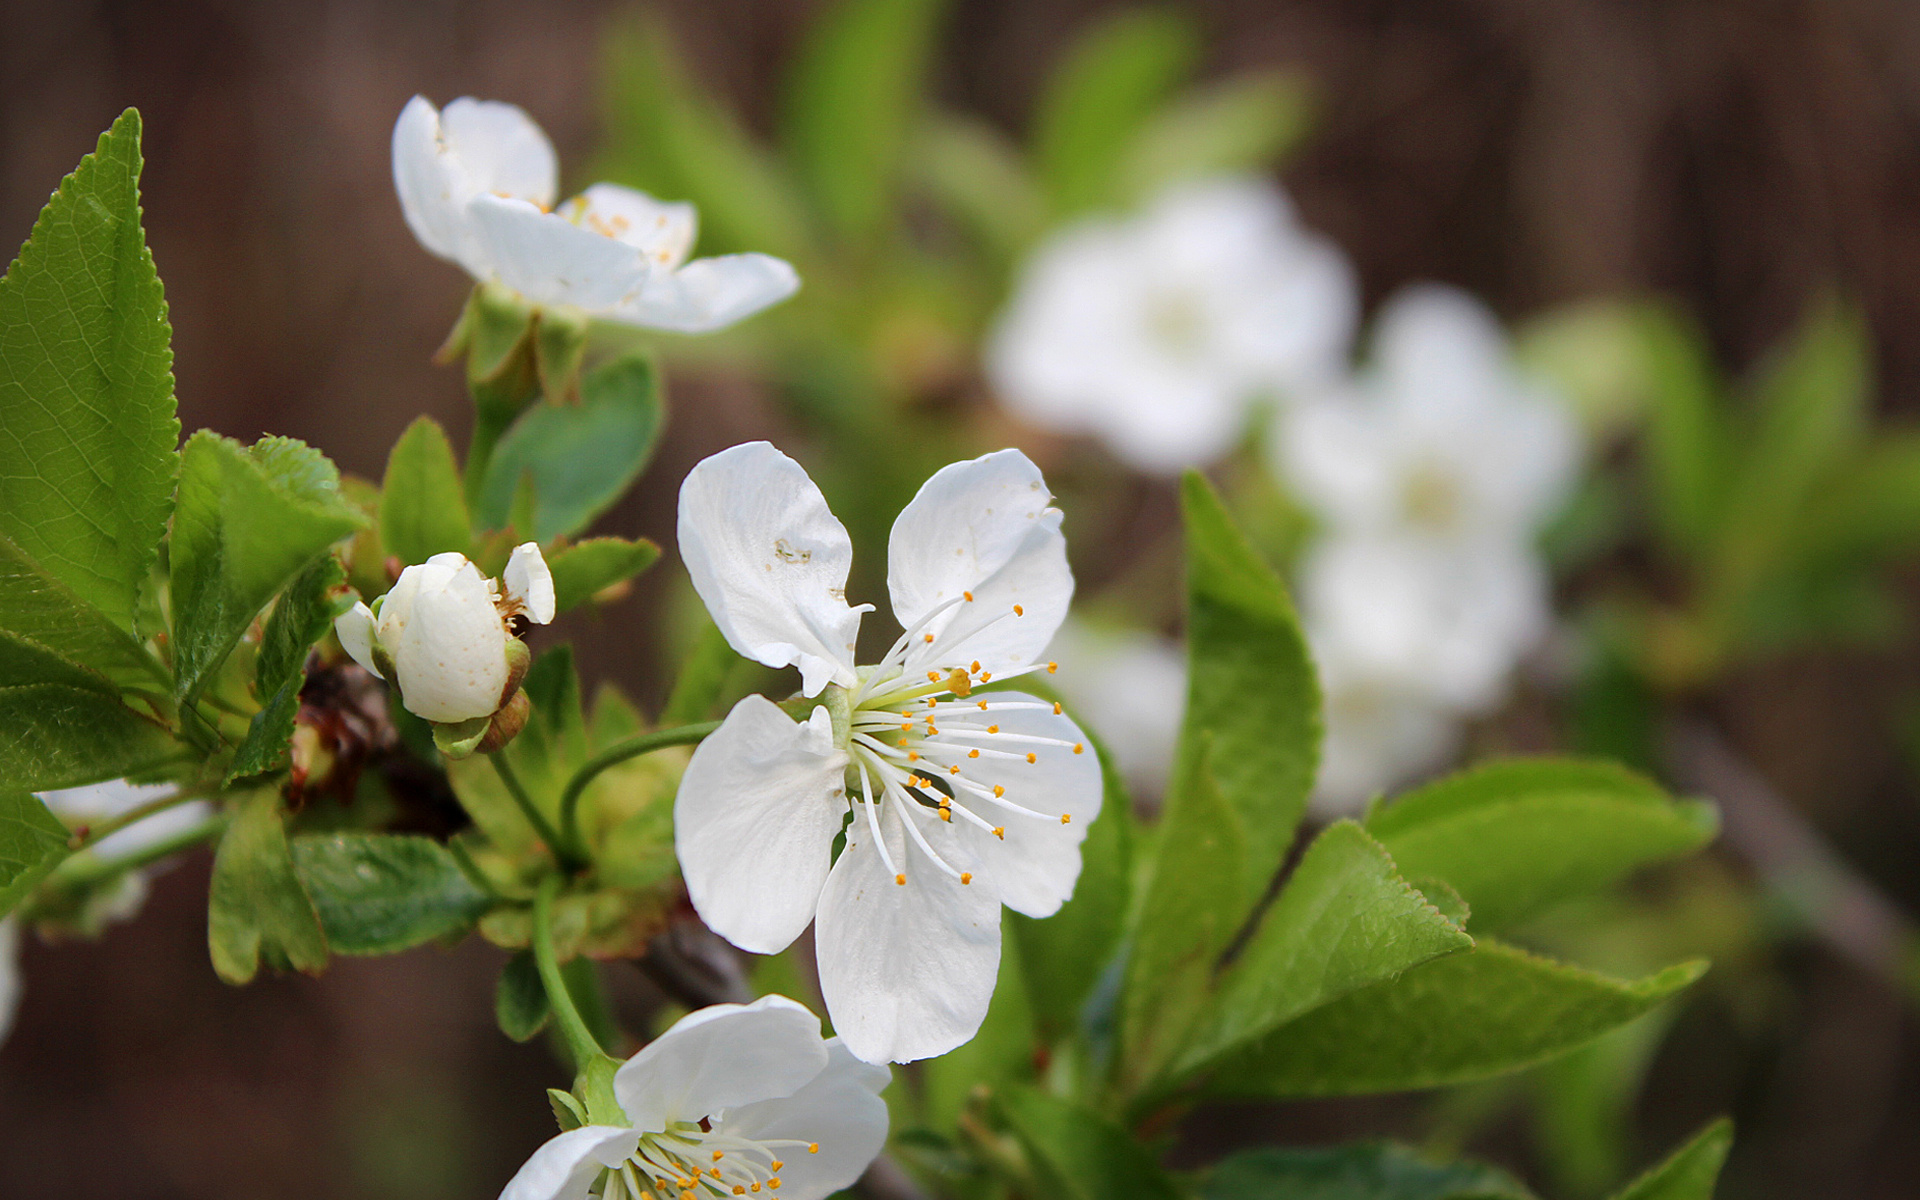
x: 477, y: 184
x: 963, y: 799
x: 1159, y: 333
x: 733, y: 1100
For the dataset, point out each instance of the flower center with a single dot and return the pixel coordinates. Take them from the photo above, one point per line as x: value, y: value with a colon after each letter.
x: 916, y: 728
x: 689, y: 1162
x: 1431, y: 498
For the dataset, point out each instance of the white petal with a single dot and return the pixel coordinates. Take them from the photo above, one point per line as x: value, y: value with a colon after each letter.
x: 528, y: 581
x: 1035, y: 865
x: 662, y: 231
x: 565, y: 1166
x: 354, y: 628
x: 771, y: 562
x: 906, y: 971
x: 502, y: 149
x: 550, y: 260
x: 840, y: 1110
x: 754, y: 822
x: 446, y: 639
x: 1130, y: 687
x: 10, y: 974
x: 721, y: 1057
x: 97, y: 802
x: 433, y: 189
x: 709, y: 294
x: 981, y: 527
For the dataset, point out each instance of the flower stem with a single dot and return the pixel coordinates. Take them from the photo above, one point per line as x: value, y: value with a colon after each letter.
x: 205, y: 831
x: 619, y: 752
x: 542, y: 827
x: 94, y: 833
x: 580, y: 1040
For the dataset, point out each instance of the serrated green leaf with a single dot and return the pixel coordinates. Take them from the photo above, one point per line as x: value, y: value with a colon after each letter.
x: 1242, y: 124
x: 1363, y: 1171
x: 584, y: 568
x: 56, y: 735
x: 32, y: 843
x: 1112, y: 78
x: 1515, y: 836
x: 1691, y: 1172
x: 1193, y: 905
x: 88, y: 433
x: 256, y: 906
x: 302, y: 617
x: 423, y: 506
x: 856, y: 88
x: 580, y: 457
x: 1251, y: 684
x: 23, y: 661
x: 383, y: 893
x: 1344, y: 920
x: 248, y: 520
x: 39, y: 607
x: 1465, y: 1016
x: 1081, y: 1155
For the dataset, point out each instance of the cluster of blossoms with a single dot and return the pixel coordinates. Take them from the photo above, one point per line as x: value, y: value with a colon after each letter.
x: 1429, y: 471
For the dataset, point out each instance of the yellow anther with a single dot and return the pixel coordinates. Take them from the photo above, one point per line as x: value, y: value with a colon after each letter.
x: 983, y: 706
x: 1052, y: 667
x: 900, y: 879
x: 753, y: 1187
x: 1000, y: 831
x: 1079, y: 748
x: 912, y: 755
x: 717, y: 1154
x: 985, y: 676
x: 929, y: 639
x: 931, y: 731
x: 954, y: 770
x: 1066, y: 818
x: 973, y: 754
x: 968, y: 596
x: 906, y: 727
x: 687, y: 1195
x: 1018, y: 611
x: 714, y: 1171
x: 774, y: 1184
x: 993, y: 729
x: 998, y: 790
x: 933, y: 677
x: 813, y: 1147
x: 1056, y: 708
x: 777, y: 1164
x: 739, y: 1189
x: 966, y: 877
x: 902, y: 741
x: 946, y: 814
x: 1032, y: 757
x: 975, y: 668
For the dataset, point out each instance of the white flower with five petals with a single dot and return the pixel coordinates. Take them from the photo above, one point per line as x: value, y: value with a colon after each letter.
x: 477, y: 184
x: 962, y: 800
x: 733, y: 1100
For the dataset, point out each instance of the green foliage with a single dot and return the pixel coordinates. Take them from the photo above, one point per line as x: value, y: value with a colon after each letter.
x: 1001, y: 1053
x: 56, y: 735
x: 1364, y: 1171
x: 87, y: 445
x: 1688, y: 441
x: 1098, y: 98
x: 248, y: 520
x: 302, y: 617
x: 702, y: 679
x: 580, y: 457
x: 582, y: 570
x: 1517, y: 835
x: 520, y: 1004
x: 32, y: 843
x: 1344, y: 920
x: 980, y: 179
x: 1460, y: 1017
x: 1690, y: 1173
x: 1080, y: 1155
x: 384, y: 893
x: 36, y: 605
x: 1238, y: 125
x: 854, y: 93
x: 423, y: 507
x: 256, y: 906
x: 1251, y: 684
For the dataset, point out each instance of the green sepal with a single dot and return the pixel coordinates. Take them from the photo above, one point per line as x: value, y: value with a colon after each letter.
x: 567, y: 1111
x: 559, y: 348
x: 520, y: 1004
x: 594, y: 1088
x: 496, y: 333
x: 459, y: 740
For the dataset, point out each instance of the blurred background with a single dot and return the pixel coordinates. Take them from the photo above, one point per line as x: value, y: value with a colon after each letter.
x: 1741, y: 160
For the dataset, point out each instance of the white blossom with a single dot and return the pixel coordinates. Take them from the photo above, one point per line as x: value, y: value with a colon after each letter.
x: 733, y: 1100
x: 962, y: 800
x: 477, y: 184
x: 1159, y: 333
x: 442, y: 631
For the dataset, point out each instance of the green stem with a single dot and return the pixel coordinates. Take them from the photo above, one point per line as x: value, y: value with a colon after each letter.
x: 542, y: 827
x: 95, y: 833
x: 619, y: 752
x: 580, y: 1040
x: 205, y: 831
x: 463, y: 858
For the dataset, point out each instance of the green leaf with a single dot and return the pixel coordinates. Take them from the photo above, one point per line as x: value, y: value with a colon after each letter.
x: 23, y: 661
x: 1000, y: 1053
x: 302, y: 617
x: 423, y: 508
x: 383, y: 893
x: 1691, y: 1172
x: 1484, y: 1012
x: 1193, y: 905
x: 37, y: 606
x: 1689, y: 443
x: 56, y: 735
x: 856, y: 88
x: 1080, y: 1155
x: 1112, y: 79
x: 248, y: 520
x: 87, y: 445
x: 32, y: 843
x: 585, y: 568
x: 1513, y: 837
x: 1868, y: 512
x: 1065, y: 954
x: 520, y: 1002
x: 1239, y: 125
x: 256, y: 906
x: 702, y: 681
x: 977, y: 176
x: 1344, y: 920
x: 1364, y: 1171
x: 1251, y: 684
x: 580, y: 457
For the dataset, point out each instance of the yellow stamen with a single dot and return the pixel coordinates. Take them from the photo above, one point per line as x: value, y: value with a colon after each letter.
x: 999, y: 791
x: 717, y: 1154
x: 983, y: 706
x: 1052, y: 667
x: 777, y: 1164
x: 929, y: 639
x: 1056, y: 708
x: 1032, y: 757
x: 966, y: 877
x: 973, y: 754
x: 1079, y: 748
x: 1066, y: 818
x: 813, y: 1147
x: 946, y: 814
x: 993, y: 729
x: 900, y: 880
x: 774, y: 1184
x: 933, y: 677
x: 1018, y: 611
x: 975, y: 668
x: 913, y: 756
x: 1000, y: 831
x: 953, y: 770
x: 738, y: 1190
x: 968, y: 596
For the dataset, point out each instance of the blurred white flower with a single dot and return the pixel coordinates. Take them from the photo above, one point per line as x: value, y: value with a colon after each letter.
x: 908, y: 946
x: 1159, y: 333
x: 1131, y: 687
x: 9, y: 973
x: 732, y: 1100
x: 441, y: 633
x: 477, y: 184
x: 1376, y: 739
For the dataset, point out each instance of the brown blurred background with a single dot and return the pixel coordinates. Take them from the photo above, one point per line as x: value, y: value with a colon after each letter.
x: 1738, y: 155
